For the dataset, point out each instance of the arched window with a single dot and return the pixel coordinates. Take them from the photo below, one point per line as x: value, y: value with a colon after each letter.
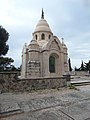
x: 52, y: 64
x: 49, y: 36
x: 42, y: 36
x: 36, y: 37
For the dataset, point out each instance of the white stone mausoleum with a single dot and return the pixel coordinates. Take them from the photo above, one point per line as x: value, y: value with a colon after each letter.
x: 45, y: 55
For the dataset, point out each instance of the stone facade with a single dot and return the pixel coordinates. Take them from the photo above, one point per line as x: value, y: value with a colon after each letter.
x: 9, y: 82
x: 45, y: 56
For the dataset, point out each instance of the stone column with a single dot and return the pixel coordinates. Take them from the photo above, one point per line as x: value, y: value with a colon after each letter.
x: 24, y: 62
x: 45, y: 64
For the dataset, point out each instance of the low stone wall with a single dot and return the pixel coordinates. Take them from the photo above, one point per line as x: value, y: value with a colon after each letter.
x: 9, y: 82
x: 79, y: 73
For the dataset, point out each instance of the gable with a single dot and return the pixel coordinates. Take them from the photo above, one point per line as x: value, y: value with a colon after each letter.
x: 54, y: 45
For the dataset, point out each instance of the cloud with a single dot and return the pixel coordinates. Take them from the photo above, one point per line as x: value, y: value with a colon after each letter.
x: 69, y: 19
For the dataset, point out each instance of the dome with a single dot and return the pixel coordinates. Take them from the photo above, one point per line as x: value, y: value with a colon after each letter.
x: 33, y: 42
x: 33, y: 45
x: 42, y: 26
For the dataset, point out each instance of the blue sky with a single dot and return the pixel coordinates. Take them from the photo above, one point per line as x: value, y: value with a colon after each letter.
x: 69, y: 19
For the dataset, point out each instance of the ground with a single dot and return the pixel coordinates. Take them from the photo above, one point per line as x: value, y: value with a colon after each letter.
x: 54, y: 104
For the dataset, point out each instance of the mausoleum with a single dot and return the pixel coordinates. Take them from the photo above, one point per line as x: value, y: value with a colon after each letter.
x: 46, y: 55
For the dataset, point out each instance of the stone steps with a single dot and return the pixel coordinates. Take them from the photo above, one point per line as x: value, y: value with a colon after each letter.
x: 80, y: 83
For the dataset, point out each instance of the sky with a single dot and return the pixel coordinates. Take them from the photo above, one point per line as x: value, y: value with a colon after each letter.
x: 68, y: 19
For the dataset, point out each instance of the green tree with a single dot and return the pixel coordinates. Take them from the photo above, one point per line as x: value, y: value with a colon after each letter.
x: 82, y: 68
x: 5, y: 63
x: 77, y: 69
x: 87, y: 66
x: 69, y: 63
x: 4, y: 35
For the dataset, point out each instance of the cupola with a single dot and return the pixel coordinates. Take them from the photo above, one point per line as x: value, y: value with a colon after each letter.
x: 42, y: 25
x: 33, y: 45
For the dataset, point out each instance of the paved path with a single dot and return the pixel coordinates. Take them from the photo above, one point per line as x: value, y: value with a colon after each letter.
x: 62, y: 104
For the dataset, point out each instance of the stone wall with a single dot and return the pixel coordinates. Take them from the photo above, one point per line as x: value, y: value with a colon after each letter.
x: 9, y: 82
x: 79, y: 73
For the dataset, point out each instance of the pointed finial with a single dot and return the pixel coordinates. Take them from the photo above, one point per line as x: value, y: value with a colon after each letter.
x: 62, y: 40
x: 25, y: 44
x: 42, y: 15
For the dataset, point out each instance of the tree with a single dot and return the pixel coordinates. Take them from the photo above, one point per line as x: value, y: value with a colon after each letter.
x: 82, y: 68
x: 4, y: 35
x: 69, y: 62
x: 87, y: 66
x: 77, y: 69
x: 5, y: 63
